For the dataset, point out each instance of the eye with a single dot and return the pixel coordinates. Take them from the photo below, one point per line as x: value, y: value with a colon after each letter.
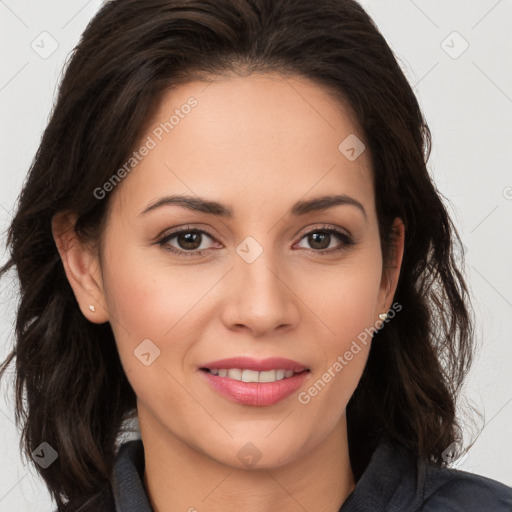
x: 189, y: 242
x: 320, y: 240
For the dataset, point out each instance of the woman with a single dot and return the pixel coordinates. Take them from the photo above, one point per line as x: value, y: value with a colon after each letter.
x: 229, y: 233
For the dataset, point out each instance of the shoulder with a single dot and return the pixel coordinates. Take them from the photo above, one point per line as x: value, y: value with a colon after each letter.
x: 396, y: 480
x: 453, y: 490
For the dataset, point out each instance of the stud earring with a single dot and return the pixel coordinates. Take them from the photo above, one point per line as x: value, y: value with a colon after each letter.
x: 92, y: 308
x: 383, y: 316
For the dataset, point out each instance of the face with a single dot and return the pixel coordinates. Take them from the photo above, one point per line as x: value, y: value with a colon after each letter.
x: 269, y: 280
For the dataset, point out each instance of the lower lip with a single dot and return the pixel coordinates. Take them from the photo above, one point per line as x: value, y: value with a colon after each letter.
x: 258, y: 394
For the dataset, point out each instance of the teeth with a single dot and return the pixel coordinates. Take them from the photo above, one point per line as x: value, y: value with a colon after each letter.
x: 252, y: 375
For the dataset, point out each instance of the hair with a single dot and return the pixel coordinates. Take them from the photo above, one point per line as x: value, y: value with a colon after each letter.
x: 71, y: 390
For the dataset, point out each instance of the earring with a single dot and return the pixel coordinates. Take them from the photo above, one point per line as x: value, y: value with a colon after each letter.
x: 92, y: 308
x: 383, y: 316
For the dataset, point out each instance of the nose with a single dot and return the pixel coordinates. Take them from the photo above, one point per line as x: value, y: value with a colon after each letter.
x: 260, y: 297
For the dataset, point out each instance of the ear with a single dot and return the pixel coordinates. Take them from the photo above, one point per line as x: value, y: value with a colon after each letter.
x: 391, y: 271
x: 82, y: 267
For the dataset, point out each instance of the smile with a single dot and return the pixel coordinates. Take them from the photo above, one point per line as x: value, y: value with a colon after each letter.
x: 245, y: 375
x: 255, y: 391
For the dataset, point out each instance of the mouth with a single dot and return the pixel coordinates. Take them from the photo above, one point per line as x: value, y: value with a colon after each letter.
x: 247, y: 375
x: 255, y: 382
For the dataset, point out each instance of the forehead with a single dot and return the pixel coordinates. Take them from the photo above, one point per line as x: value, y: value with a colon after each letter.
x: 262, y: 140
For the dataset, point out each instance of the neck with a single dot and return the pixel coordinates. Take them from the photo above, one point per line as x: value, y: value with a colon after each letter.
x: 180, y: 478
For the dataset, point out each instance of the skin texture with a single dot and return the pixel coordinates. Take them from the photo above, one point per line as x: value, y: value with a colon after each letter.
x: 257, y: 144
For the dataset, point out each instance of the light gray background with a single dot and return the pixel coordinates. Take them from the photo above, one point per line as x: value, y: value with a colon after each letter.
x: 467, y: 100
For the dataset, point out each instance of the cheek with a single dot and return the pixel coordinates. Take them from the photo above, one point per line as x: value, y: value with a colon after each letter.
x: 346, y: 297
x: 346, y: 301
x: 151, y: 309
x: 149, y: 299
x: 344, y: 356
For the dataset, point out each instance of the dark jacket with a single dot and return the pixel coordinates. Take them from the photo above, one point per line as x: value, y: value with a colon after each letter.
x: 392, y: 482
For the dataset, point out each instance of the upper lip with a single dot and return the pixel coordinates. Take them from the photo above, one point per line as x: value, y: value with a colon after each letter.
x: 262, y: 365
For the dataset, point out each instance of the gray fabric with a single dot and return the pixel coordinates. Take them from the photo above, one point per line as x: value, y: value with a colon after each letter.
x: 128, y: 489
x: 392, y: 482
x: 395, y: 482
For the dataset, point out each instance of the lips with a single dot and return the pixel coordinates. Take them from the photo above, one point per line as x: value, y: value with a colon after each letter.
x: 252, y: 393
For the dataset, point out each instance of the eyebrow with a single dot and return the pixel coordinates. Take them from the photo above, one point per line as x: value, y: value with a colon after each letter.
x: 303, y: 207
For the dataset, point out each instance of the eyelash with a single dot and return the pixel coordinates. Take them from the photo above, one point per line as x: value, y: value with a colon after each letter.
x: 346, y: 240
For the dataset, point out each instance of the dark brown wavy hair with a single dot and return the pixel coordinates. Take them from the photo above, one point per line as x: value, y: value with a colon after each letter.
x: 71, y: 390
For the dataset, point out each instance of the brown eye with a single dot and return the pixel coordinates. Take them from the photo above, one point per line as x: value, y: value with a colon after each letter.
x: 186, y: 242
x: 189, y: 240
x: 319, y: 240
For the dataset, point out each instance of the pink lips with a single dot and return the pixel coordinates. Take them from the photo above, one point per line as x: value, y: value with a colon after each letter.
x: 258, y: 394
